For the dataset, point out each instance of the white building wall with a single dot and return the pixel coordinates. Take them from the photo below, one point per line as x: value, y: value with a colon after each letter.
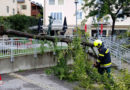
x: 26, y: 11
x: 67, y: 9
x: 12, y: 4
x: 125, y: 21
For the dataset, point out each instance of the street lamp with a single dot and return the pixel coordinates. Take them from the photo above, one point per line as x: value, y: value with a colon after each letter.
x: 99, y: 6
x: 76, y: 2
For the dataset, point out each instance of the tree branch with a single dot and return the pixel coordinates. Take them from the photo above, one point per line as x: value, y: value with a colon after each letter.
x: 119, y: 10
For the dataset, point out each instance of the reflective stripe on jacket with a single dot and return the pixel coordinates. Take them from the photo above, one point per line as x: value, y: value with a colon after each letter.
x: 104, y: 58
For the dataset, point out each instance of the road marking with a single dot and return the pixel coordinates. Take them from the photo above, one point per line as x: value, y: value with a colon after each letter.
x: 42, y: 85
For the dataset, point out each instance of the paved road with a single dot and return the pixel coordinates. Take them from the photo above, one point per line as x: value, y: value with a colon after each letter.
x: 33, y: 80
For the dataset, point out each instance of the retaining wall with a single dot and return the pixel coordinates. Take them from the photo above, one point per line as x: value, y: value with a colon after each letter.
x: 26, y: 62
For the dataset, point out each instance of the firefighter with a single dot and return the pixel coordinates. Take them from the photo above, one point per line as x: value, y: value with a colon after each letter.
x: 103, y: 62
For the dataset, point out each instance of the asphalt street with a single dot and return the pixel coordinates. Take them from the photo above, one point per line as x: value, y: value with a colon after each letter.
x: 33, y: 80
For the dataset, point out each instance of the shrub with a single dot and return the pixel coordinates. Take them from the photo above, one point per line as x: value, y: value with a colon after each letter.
x: 4, y: 22
x: 18, y: 22
x: 21, y: 22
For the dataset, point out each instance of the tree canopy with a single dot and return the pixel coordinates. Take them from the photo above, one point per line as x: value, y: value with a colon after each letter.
x: 114, y: 8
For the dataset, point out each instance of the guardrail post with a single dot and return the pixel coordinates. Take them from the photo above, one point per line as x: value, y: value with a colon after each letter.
x: 120, y: 62
x: 35, y: 50
x: 12, y: 54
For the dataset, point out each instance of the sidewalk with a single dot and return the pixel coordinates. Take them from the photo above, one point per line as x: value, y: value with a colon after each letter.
x: 33, y: 80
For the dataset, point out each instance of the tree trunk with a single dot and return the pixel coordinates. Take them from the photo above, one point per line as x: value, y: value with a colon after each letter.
x: 46, y: 37
x: 113, y: 26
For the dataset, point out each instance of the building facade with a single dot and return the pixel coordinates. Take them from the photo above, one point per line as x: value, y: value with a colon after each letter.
x: 8, y: 7
x: 24, y: 7
x: 59, y: 9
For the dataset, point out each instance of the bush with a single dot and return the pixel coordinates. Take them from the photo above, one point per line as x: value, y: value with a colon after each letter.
x: 4, y: 22
x: 18, y: 22
x: 128, y: 33
x: 21, y: 22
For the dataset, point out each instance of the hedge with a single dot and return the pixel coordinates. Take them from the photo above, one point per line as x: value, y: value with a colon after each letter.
x: 18, y: 22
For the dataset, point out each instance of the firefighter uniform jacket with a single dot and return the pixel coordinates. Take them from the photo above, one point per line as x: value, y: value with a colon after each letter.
x: 104, y: 59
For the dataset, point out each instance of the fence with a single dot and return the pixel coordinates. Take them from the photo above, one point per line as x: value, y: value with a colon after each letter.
x: 118, y: 52
x: 21, y: 46
x: 13, y: 46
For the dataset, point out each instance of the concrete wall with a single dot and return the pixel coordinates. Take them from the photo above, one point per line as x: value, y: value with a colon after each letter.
x: 11, y: 4
x: 27, y: 62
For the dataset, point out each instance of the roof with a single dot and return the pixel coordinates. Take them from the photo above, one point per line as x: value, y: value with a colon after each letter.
x: 36, y: 3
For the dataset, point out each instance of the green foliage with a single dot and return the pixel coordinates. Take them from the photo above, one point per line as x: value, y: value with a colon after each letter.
x: 92, y: 72
x: 78, y: 70
x: 21, y: 22
x: 128, y: 33
x: 61, y: 69
x: 127, y: 46
x: 82, y: 70
x: 18, y: 22
x: 125, y: 79
x: 107, y: 7
x: 123, y: 35
x: 4, y: 22
x: 42, y: 47
x: 49, y: 71
x: 111, y: 7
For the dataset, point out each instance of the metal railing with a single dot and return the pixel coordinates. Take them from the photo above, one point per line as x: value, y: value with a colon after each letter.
x: 13, y: 47
x: 118, y: 52
x: 22, y: 46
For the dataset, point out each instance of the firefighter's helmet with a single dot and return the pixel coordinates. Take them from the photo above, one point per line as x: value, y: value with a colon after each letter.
x: 97, y: 43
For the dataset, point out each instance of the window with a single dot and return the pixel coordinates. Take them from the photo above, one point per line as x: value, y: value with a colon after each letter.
x: 21, y: 1
x: 60, y: 2
x: 7, y: 7
x: 79, y: 15
x: 33, y: 7
x: 13, y: 1
x: 60, y: 16
x: 80, y: 1
x: 13, y: 11
x: 24, y: 7
x: 57, y: 16
x: 51, y: 2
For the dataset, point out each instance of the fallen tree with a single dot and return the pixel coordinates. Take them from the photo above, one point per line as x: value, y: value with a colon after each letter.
x: 44, y: 37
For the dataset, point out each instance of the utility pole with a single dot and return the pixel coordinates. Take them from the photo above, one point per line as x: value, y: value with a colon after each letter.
x: 76, y: 2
